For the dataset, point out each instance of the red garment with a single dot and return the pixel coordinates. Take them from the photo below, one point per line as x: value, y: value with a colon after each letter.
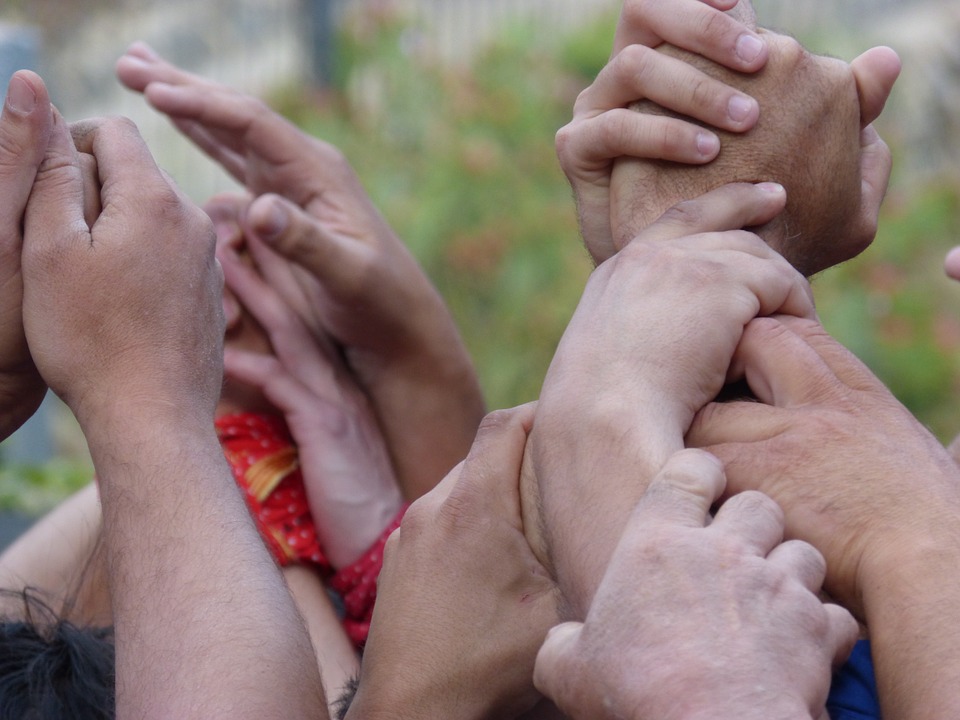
x: 266, y: 466
x: 357, y: 585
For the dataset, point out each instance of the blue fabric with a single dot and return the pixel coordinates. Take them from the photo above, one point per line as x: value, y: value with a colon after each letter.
x: 853, y: 693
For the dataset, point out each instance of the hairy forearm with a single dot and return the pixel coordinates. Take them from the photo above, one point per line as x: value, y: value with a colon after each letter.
x: 205, y: 626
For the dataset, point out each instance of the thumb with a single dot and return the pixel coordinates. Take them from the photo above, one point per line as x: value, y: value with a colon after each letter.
x: 24, y: 136
x: 875, y: 71
x: 552, y: 673
x: 302, y: 238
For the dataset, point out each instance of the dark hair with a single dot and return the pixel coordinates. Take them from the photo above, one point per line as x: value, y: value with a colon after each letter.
x: 53, y: 669
x: 346, y: 698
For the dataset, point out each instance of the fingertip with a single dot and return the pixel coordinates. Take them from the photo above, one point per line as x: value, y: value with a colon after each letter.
x: 682, y: 492
x: 708, y: 145
x: 751, y: 51
x: 558, y: 645
x: 140, y: 49
x: 875, y: 72
x: 268, y: 217
x: 951, y: 263
x: 844, y: 630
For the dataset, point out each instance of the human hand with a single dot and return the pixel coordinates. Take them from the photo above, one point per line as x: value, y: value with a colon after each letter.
x: 125, y: 312
x: 855, y: 473
x: 834, y: 195
x: 24, y: 133
x: 649, y: 344
x: 350, y: 485
x: 700, y: 619
x: 463, y: 605
x: 603, y: 129
x: 722, y: 30
x: 348, y: 274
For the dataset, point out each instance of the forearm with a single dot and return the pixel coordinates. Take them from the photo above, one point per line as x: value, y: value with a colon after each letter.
x: 584, y: 472
x: 60, y: 557
x: 429, y: 405
x: 912, y: 606
x: 205, y: 626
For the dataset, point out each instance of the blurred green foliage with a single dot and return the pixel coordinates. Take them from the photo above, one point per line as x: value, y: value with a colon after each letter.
x: 33, y: 489
x: 459, y: 157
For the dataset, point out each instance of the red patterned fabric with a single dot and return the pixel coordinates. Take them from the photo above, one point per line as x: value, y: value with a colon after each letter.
x: 357, y: 585
x: 265, y: 465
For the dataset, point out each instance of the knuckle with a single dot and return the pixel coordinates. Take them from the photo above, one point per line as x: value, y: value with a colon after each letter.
x: 712, y: 25
x: 671, y: 138
x: 562, y: 142
x: 755, y: 504
x: 688, y: 213
x: 496, y: 421
x: 634, y: 63
x: 703, y: 91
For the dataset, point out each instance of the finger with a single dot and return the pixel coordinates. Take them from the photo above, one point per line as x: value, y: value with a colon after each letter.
x: 142, y: 65
x: 491, y: 471
x: 301, y: 238
x: 549, y: 671
x: 124, y: 162
x: 311, y: 358
x: 789, y: 362
x: 754, y: 518
x: 839, y: 362
x: 875, y: 71
x: 252, y: 125
x: 229, y: 159
x: 875, y: 166
x: 639, y: 72
x: 588, y: 147
x: 267, y: 374
x: 91, y: 188
x: 700, y: 27
x: 729, y: 207
x: 802, y: 561
x: 25, y: 128
x: 253, y: 369
x: 951, y: 263
x: 720, y: 424
x: 843, y: 632
x: 681, y: 493
x: 56, y: 206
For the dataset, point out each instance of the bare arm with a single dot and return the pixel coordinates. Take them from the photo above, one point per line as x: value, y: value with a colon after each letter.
x: 347, y: 273
x: 60, y: 556
x: 649, y: 344
x: 859, y: 478
x: 205, y: 626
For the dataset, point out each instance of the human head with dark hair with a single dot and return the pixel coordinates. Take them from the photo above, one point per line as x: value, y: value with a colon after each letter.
x: 53, y: 669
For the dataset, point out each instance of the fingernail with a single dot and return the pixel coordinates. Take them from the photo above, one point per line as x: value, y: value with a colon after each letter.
x: 20, y: 96
x: 708, y: 144
x: 739, y: 108
x: 749, y: 47
x: 771, y: 187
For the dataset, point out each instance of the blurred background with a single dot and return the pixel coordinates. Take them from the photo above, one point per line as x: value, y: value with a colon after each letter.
x: 448, y: 108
